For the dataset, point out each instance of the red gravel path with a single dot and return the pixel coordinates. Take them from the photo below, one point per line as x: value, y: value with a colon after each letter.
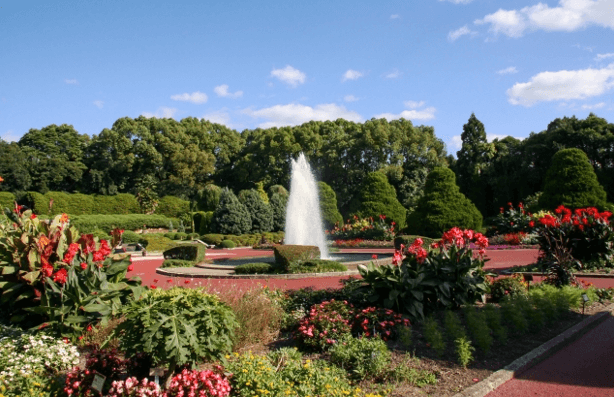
x: 584, y: 368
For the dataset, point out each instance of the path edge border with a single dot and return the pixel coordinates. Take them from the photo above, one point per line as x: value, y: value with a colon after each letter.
x: 508, y: 372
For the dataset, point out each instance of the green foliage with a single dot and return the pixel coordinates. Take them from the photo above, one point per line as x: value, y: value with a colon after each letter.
x: 442, y: 207
x: 507, y: 286
x: 464, y: 351
x: 513, y: 316
x: 278, y: 203
x: 188, y: 252
x: 231, y: 216
x: 406, y: 373
x: 213, y: 239
x: 228, y: 244
x: 316, y: 266
x: 328, y: 206
x: 260, y: 212
x: 512, y: 220
x: 169, y: 263
x: 433, y: 335
x: 285, y: 255
x: 155, y: 242
x: 209, y: 198
x: 172, y: 207
x: 478, y: 328
x: 130, y: 237
x: 493, y: 318
x: 254, y: 268
x: 7, y: 200
x: 205, y: 223
x: 361, y: 357
x: 53, y: 203
x: 572, y: 182
x: 278, y: 189
x: 378, y: 197
x: 177, y: 326
x: 453, y: 326
x: 89, y: 223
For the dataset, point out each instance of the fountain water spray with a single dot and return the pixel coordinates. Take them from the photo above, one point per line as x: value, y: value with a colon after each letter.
x: 303, y: 218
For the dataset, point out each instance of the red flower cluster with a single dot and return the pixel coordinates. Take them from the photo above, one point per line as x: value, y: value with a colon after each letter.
x: 416, y: 249
x: 70, y: 254
x: 205, y: 383
x: 462, y: 238
x: 373, y: 320
x: 60, y: 276
x: 515, y: 238
x: 580, y: 218
x: 103, y: 252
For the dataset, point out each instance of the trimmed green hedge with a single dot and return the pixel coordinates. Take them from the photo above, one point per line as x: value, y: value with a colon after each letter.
x: 285, y: 255
x: 89, y: 223
x: 172, y: 207
x: 317, y: 266
x: 228, y: 244
x: 82, y: 204
x: 177, y: 263
x: 244, y: 240
x: 255, y: 268
x: 156, y: 242
x: 408, y: 240
x: 189, y: 252
x: 7, y: 200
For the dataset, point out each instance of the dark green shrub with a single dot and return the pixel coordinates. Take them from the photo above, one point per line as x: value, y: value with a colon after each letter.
x: 478, y: 328
x: 433, y: 335
x: 453, y: 326
x: 89, y: 223
x: 172, y: 207
x: 507, y: 286
x: 378, y: 197
x: 255, y: 268
x: 442, y: 207
x: 181, y: 236
x: 177, y: 326
x: 189, y: 252
x: 259, y: 211
x: 156, y: 242
x: 278, y: 204
x: 328, y: 206
x: 37, y: 203
x: 205, y: 223
x: 7, y: 200
x: 277, y: 189
x: 198, y: 219
x: 209, y: 198
x: 177, y: 263
x: 287, y: 254
x: 228, y: 244
x: 571, y: 181
x: 230, y: 216
x: 408, y: 240
x: 493, y: 318
x: 81, y: 204
x: 130, y: 237
x: 213, y: 239
x: 361, y: 357
x: 170, y: 235
x: 122, y: 203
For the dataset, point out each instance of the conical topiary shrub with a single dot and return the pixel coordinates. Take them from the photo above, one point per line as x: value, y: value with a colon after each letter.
x: 328, y: 206
x: 259, y: 211
x: 571, y: 181
x: 230, y: 216
x: 442, y: 207
x: 378, y: 197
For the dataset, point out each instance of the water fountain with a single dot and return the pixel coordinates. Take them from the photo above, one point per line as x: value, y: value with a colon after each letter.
x: 303, y: 218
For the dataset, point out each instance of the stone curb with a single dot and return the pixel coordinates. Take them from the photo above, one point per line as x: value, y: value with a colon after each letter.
x: 186, y: 273
x: 498, y: 378
x: 580, y: 275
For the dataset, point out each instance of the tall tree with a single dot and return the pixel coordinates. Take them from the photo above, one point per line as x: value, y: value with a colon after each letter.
x: 13, y: 168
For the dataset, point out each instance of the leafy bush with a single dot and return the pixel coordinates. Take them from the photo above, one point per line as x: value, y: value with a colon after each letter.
x: 177, y: 326
x: 507, y: 286
x: 130, y: 237
x: 512, y: 220
x: 571, y: 181
x: 287, y: 254
x: 254, y: 268
x: 493, y: 318
x: 204, y: 222
x: 433, y: 336
x: 171, y: 235
x: 156, y: 242
x: 442, y: 207
x: 325, y: 325
x: 478, y: 328
x: 453, y: 326
x: 228, y: 244
x: 231, y: 216
x: 317, y: 266
x: 378, y: 197
x: 172, y: 207
x: 190, y: 252
x: 89, y: 223
x: 372, y: 321
x: 464, y: 351
x: 7, y: 200
x: 361, y: 357
x: 260, y: 212
x: 328, y: 206
x: 213, y: 239
x: 181, y: 236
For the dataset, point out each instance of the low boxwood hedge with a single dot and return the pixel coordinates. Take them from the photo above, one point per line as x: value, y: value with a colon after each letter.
x: 177, y: 263
x: 89, y: 223
x: 317, y: 266
x: 188, y: 252
x: 228, y: 244
x: 255, y: 268
x: 156, y: 242
x: 285, y: 255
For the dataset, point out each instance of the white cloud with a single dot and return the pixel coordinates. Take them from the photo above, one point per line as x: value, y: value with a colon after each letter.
x: 350, y: 98
x: 222, y: 91
x: 456, y: 142
x: 510, y: 70
x: 220, y: 117
x: 10, y: 136
x: 71, y: 81
x: 351, y: 75
x: 393, y: 74
x: 595, y: 106
x: 462, y: 31
x: 395, y: 16
x: 492, y: 137
x: 195, y: 97
x: 458, y: 1
x: 601, y: 57
x: 289, y: 75
x: 295, y: 114
x: 99, y: 104
x: 568, y: 16
x: 162, y: 113
x: 413, y: 104
x: 562, y: 85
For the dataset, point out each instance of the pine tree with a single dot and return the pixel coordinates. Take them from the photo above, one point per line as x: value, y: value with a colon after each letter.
x: 230, y: 216
x: 328, y: 206
x: 442, y: 207
x: 278, y: 203
x: 571, y: 181
x: 378, y: 197
x: 259, y: 211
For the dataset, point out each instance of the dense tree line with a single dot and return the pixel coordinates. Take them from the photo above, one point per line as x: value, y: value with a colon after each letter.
x: 183, y: 158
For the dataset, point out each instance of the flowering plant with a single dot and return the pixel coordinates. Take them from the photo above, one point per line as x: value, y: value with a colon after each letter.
x: 325, y: 324
x: 512, y: 220
x: 207, y: 383
x: 364, y: 228
x: 131, y: 387
x: 105, y: 362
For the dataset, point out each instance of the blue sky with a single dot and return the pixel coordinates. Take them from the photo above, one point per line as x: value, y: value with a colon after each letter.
x: 516, y: 64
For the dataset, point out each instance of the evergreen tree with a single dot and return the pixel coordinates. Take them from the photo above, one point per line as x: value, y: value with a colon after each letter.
x: 278, y: 203
x: 572, y: 182
x: 230, y: 216
x: 328, y: 206
x: 261, y: 192
x: 442, y: 207
x: 473, y: 158
x: 259, y: 211
x: 378, y: 197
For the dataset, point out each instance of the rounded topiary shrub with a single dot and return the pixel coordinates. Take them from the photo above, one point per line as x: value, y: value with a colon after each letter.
x: 328, y: 206
x: 177, y: 326
x: 571, y: 181
x: 378, y: 197
x: 228, y: 244
x: 259, y: 211
x: 442, y: 207
x: 231, y: 216
x: 130, y: 237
